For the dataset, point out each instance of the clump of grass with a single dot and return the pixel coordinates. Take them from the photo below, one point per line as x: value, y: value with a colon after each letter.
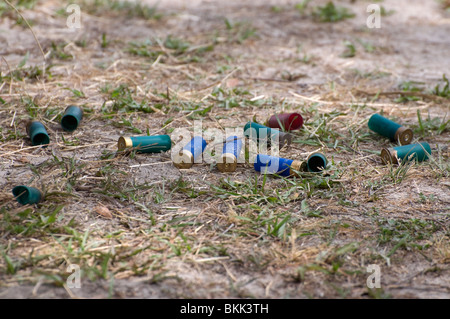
x: 350, y: 50
x: 57, y: 51
x: 123, y: 101
x: 410, y: 86
x: 445, y: 91
x: 239, y: 31
x: 19, y: 4
x: 301, y: 6
x: 331, y: 13
x: 129, y: 8
x: 429, y: 125
x: 406, y: 233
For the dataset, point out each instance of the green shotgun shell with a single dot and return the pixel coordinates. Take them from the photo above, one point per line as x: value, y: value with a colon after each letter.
x: 27, y: 195
x: 71, y: 118
x: 37, y: 132
x: 418, y: 152
x: 390, y: 129
x: 145, y: 144
x: 261, y: 133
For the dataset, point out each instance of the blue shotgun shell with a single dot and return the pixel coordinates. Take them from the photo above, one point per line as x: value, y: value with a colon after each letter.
x: 418, y: 152
x: 71, y: 118
x: 37, y: 132
x: 230, y: 154
x: 190, y: 153
x: 261, y: 133
x: 267, y: 164
x: 27, y: 195
x: 145, y: 144
x: 390, y: 129
x: 316, y: 162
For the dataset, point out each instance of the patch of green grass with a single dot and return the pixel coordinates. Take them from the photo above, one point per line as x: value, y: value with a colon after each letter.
x: 406, y: 233
x: 430, y: 126
x: 130, y: 9
x: 19, y: 4
x: 31, y: 222
x: 385, y: 13
x: 77, y: 93
x: 123, y: 122
x: 317, y: 132
x: 176, y: 44
x: 350, y: 50
x: 409, y: 86
x: 20, y: 73
x: 445, y: 91
x: 124, y: 102
x: 373, y: 75
x: 57, y: 51
x: 104, y: 42
x: 301, y: 6
x: 239, y: 31
x: 179, y: 48
x: 236, y: 97
x: 331, y: 13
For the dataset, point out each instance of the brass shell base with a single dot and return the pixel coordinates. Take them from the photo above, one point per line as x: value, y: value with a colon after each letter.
x: 124, y: 143
x: 229, y: 163
x: 183, y: 160
x: 404, y: 135
x: 297, y: 166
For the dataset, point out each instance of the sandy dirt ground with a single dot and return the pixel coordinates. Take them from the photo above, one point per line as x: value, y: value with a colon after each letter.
x: 199, y: 233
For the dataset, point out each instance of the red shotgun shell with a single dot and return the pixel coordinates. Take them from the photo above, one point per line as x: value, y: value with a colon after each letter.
x: 288, y: 121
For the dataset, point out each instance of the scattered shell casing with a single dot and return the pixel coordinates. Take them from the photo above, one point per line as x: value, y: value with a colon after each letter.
x: 267, y: 164
x: 286, y: 121
x: 230, y: 154
x: 37, y: 133
x: 71, y: 118
x: 145, y: 144
x: 395, y: 155
x: 263, y: 133
x: 390, y: 129
x: 186, y: 157
x: 27, y: 195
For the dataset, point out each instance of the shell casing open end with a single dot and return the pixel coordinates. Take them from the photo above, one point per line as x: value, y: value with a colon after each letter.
x: 389, y: 156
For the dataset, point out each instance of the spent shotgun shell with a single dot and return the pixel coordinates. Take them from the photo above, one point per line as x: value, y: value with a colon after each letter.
x: 145, y: 144
x: 267, y: 164
x: 27, y: 195
x: 263, y: 133
x: 37, y: 132
x: 390, y: 129
x: 186, y: 157
x: 230, y: 154
x: 286, y: 121
x: 71, y: 118
x: 418, y: 152
x: 316, y: 162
